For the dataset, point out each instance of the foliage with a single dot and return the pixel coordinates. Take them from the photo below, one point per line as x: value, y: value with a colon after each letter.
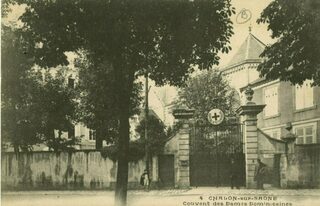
x: 56, y: 103
x: 219, y: 139
x: 174, y: 129
x: 98, y: 108
x: 62, y: 144
x: 163, y: 38
x: 206, y: 91
x: 156, y: 135
x: 32, y: 108
x: 153, y: 35
x: 5, y: 7
x: 156, y: 140
x: 136, y: 151
x: 294, y: 57
x: 19, y: 122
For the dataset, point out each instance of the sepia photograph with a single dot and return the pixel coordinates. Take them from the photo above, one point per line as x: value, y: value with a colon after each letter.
x: 160, y: 102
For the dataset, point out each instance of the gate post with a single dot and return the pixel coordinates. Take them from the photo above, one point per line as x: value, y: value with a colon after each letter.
x: 182, y: 161
x: 250, y: 111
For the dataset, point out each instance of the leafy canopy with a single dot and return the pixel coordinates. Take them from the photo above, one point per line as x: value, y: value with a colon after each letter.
x: 206, y: 91
x: 57, y: 104
x: 156, y: 135
x: 295, y: 55
x: 34, y: 104
x: 164, y: 37
x: 18, y: 113
x: 98, y: 107
x: 137, y: 148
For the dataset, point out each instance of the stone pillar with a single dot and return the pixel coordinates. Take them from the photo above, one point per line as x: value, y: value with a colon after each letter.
x: 250, y: 111
x: 283, y: 171
x: 182, y: 179
x: 289, y: 153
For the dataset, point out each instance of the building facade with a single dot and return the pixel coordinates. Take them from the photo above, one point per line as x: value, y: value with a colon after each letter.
x: 297, y: 105
x: 288, y: 104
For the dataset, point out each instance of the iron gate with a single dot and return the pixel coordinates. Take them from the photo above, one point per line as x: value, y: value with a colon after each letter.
x: 211, y: 150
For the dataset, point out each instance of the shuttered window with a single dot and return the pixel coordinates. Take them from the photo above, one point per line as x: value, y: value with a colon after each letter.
x: 271, y: 100
x: 304, y: 95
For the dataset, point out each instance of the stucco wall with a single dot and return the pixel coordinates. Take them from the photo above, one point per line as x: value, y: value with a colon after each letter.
x: 301, y: 169
x: 269, y: 150
x: 268, y: 145
x: 298, y: 168
x: 77, y: 170
x: 287, y: 112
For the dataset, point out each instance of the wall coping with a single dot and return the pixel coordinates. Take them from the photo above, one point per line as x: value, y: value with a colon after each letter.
x: 32, y: 152
x: 269, y: 137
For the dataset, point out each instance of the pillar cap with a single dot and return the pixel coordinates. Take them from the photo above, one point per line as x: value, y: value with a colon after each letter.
x: 183, y: 113
x: 250, y: 109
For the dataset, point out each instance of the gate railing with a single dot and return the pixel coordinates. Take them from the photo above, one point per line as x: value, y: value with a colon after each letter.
x: 224, y: 138
x: 212, y: 148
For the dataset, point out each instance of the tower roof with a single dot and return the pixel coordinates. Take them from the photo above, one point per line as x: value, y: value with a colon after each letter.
x: 250, y: 49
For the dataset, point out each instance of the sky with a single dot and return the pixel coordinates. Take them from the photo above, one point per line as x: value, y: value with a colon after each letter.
x: 242, y: 30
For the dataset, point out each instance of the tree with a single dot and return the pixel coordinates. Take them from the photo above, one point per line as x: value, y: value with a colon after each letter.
x: 19, y: 125
x: 165, y: 39
x: 32, y: 107
x: 56, y: 105
x: 156, y: 135
x: 294, y: 57
x: 97, y: 108
x: 206, y: 91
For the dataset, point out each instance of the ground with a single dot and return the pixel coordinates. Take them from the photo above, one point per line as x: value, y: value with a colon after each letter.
x: 203, y: 196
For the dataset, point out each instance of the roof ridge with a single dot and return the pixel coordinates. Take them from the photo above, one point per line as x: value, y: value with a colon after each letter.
x: 248, y: 47
x: 256, y: 38
x: 251, y: 48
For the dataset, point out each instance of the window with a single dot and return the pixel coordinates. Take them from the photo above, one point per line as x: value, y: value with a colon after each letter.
x: 92, y: 135
x: 304, y: 95
x: 71, y: 132
x: 271, y: 101
x: 306, y: 134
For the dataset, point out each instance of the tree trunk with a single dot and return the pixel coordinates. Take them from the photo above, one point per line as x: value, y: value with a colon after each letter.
x: 124, y: 94
x: 122, y: 172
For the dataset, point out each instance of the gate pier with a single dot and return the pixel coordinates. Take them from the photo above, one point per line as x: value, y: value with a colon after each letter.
x: 182, y: 163
x: 250, y: 111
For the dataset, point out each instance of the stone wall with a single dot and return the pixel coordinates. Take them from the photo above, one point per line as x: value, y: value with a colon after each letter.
x: 76, y: 170
x: 299, y: 166
x: 301, y: 169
